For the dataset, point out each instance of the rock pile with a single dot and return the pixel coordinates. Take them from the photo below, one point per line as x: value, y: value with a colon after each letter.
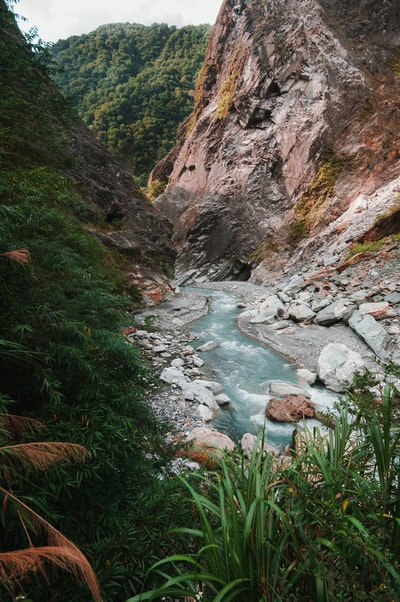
x: 352, y: 320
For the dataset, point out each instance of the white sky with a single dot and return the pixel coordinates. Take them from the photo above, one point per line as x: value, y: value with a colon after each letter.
x: 57, y: 19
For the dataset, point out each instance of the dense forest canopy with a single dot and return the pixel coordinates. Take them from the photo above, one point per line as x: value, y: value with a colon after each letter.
x: 133, y: 85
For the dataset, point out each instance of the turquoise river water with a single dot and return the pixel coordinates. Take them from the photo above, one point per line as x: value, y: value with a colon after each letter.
x: 245, y: 367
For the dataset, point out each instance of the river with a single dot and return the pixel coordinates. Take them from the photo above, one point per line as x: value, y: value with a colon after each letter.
x: 245, y: 367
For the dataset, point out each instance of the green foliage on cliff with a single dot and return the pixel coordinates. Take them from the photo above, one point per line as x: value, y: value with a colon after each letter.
x: 133, y: 85
x: 63, y: 358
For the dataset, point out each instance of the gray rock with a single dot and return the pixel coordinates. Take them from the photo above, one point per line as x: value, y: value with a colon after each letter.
x: 212, y: 385
x: 307, y: 376
x: 295, y: 285
x: 262, y: 317
x: 393, y: 298
x: 337, y: 365
x: 280, y: 388
x: 273, y: 306
x: 194, y: 391
x: 222, y: 399
x: 205, y: 413
x: 375, y: 336
x: 336, y: 311
x: 301, y: 312
x: 174, y: 376
x: 320, y: 303
x: 207, y: 346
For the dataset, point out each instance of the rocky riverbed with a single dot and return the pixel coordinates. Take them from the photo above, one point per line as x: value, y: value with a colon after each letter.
x: 331, y: 322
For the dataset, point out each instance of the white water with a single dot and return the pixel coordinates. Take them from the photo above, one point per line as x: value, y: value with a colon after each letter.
x: 245, y: 367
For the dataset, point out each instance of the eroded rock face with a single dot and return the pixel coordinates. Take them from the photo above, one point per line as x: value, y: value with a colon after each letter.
x: 122, y: 217
x: 293, y: 148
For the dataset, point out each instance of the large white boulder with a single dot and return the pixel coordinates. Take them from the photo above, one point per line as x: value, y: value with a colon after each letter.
x: 337, y: 365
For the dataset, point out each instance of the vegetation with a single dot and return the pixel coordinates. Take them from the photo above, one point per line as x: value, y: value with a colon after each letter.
x: 324, y: 527
x: 133, y: 85
x: 226, y: 96
x: 309, y: 207
x: 64, y: 361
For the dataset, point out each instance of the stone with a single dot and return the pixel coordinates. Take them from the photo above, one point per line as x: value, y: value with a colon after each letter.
x: 273, y: 305
x: 306, y: 376
x: 197, y: 361
x: 377, y: 310
x: 295, y: 285
x: 210, y: 440
x: 301, y: 312
x: 280, y: 388
x: 207, y: 346
x: 249, y: 441
x: 290, y: 408
x: 393, y: 298
x: 194, y: 391
x: 261, y: 316
x: 375, y: 336
x: 336, y: 311
x: 205, y: 413
x: 320, y: 303
x: 213, y: 385
x: 174, y: 376
x: 337, y: 365
x: 222, y: 399
x: 177, y: 363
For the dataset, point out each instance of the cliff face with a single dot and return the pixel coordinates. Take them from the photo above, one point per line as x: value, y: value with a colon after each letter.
x: 293, y: 149
x: 121, y: 216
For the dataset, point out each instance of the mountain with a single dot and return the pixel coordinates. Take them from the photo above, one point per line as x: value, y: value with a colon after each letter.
x: 292, y: 153
x: 115, y: 210
x: 132, y: 85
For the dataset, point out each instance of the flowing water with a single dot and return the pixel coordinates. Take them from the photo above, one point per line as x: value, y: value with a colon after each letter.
x: 245, y: 367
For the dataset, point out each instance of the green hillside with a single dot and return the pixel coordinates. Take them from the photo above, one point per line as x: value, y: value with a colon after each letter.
x: 133, y: 85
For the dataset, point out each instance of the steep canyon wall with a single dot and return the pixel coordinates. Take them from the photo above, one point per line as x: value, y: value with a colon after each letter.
x: 292, y: 152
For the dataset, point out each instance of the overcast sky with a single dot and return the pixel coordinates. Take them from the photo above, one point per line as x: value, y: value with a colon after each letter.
x: 57, y: 19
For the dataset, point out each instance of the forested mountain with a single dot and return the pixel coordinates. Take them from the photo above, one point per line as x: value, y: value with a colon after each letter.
x: 66, y: 370
x: 133, y: 85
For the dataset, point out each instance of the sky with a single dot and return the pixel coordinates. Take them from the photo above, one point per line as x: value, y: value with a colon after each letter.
x: 57, y: 19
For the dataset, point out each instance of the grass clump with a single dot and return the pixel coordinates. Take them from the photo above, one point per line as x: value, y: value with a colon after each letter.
x: 309, y: 207
x: 226, y: 96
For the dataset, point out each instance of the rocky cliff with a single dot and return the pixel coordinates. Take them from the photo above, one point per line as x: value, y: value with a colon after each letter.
x: 292, y: 153
x: 122, y: 217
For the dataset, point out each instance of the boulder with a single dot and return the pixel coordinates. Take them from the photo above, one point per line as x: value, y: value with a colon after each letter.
x: 207, y: 346
x: 249, y: 441
x: 273, y: 306
x: 213, y: 385
x: 306, y: 376
x: 173, y: 376
x: 205, y: 413
x: 377, y: 310
x: 280, y: 388
x: 337, y: 365
x: 290, y: 408
x: 301, y: 312
x: 375, y: 336
x: 222, y: 399
x: 195, y: 391
x: 336, y: 311
x: 210, y: 440
x: 295, y: 285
